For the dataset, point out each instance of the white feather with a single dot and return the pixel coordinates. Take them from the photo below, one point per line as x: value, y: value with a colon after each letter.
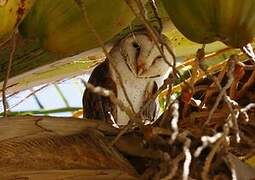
x: 136, y: 85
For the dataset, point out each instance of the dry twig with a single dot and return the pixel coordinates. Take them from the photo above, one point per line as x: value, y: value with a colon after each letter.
x: 155, y: 11
x: 166, y: 83
x: 175, y: 119
x: 154, y: 34
x: 107, y: 93
x: 207, y: 140
x: 188, y: 158
x: 248, y: 84
x: 121, y: 133
x: 210, y: 157
x: 232, y: 168
x: 192, y: 61
x: 174, y: 167
x: 29, y: 95
x: 100, y: 41
x: 249, y: 51
x: 232, y: 62
x: 183, y: 137
x: 245, y: 109
x: 13, y: 38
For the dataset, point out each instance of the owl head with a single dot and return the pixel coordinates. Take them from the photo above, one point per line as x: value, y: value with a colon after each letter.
x: 143, y: 57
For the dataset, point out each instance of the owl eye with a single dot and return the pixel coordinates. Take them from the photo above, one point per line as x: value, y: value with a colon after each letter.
x: 156, y: 59
x: 136, y: 45
x: 137, y: 48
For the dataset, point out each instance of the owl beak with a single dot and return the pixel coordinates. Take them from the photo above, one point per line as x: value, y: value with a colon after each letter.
x: 140, y: 69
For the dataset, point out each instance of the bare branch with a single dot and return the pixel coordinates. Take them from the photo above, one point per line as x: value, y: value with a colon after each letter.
x: 245, y: 109
x: 107, y: 93
x: 174, y: 122
x: 210, y: 157
x: 29, y: 95
x: 100, y: 41
x: 249, y: 51
x: 183, y: 137
x: 5, y: 106
x: 188, y: 158
x: 174, y: 167
x: 247, y: 84
x: 232, y: 61
x: 156, y: 37
x: 207, y: 140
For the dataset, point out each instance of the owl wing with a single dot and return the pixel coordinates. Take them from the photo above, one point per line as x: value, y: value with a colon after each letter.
x: 94, y: 105
x: 150, y: 112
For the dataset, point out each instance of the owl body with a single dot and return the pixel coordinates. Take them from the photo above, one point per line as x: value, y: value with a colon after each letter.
x: 142, y: 70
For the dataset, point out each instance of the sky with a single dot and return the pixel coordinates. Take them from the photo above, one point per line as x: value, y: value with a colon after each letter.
x: 49, y: 96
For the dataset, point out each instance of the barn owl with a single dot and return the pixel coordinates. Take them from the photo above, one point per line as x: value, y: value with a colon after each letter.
x: 142, y: 70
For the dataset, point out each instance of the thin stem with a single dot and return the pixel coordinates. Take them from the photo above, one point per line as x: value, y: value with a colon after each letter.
x: 5, y: 105
x: 43, y: 111
x: 154, y: 34
x: 62, y: 95
x: 100, y: 41
x: 29, y: 95
x: 37, y: 100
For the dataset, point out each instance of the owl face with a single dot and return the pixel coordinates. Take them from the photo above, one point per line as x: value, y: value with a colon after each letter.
x: 143, y: 57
